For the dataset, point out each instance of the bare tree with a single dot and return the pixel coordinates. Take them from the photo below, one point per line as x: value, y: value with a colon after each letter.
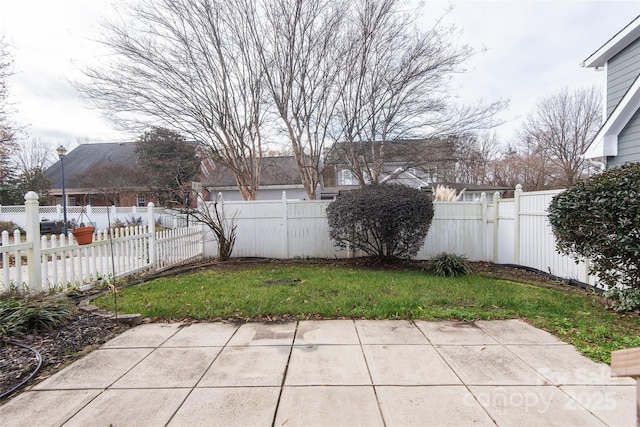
x: 186, y: 64
x: 395, y: 85
x: 29, y: 160
x: 33, y: 154
x: 223, y: 227
x: 7, y: 130
x: 341, y: 70
x: 300, y: 48
x: 474, y: 152
x: 524, y: 165
x: 561, y: 126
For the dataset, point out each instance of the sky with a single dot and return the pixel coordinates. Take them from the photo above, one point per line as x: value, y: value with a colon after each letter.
x: 530, y: 49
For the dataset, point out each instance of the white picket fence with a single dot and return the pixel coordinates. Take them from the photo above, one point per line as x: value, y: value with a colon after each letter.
x: 508, y: 231
x: 58, y: 262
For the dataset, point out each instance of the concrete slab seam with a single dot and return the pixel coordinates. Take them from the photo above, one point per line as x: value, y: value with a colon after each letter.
x: 366, y: 362
x: 284, y: 375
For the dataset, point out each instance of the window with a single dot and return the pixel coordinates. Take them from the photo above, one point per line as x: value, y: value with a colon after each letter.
x: 346, y: 177
x: 92, y: 200
x: 140, y: 201
x: 71, y: 201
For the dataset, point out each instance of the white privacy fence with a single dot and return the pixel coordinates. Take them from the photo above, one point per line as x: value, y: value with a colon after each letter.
x: 57, y: 262
x: 100, y: 217
x: 509, y: 231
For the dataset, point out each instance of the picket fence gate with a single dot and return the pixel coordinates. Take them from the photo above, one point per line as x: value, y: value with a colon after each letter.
x: 56, y: 263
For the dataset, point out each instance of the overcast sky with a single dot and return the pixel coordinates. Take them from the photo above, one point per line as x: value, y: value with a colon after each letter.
x: 533, y: 49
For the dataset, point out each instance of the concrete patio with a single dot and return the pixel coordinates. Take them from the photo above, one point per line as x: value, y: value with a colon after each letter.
x: 331, y: 373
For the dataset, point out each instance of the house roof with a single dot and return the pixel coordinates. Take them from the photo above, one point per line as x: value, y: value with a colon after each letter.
x: 615, y: 45
x: 276, y: 171
x: 605, y: 143
x: 401, y: 151
x: 81, y: 159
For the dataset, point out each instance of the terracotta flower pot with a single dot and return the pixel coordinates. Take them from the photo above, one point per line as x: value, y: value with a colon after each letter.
x: 83, y: 235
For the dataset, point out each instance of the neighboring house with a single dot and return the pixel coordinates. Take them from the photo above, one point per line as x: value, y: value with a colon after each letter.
x: 101, y: 174
x: 618, y: 140
x: 277, y: 174
x: 87, y: 164
x: 416, y: 163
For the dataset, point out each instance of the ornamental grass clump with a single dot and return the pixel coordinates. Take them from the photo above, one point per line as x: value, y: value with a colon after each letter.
x: 449, y: 265
x: 24, y: 313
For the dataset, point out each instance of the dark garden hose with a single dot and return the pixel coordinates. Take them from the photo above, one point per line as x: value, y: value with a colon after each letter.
x: 571, y: 282
x: 33, y: 374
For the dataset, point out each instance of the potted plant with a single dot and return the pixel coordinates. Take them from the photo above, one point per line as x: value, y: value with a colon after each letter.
x: 83, y: 234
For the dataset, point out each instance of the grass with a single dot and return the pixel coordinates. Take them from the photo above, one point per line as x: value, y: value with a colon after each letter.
x: 324, y: 291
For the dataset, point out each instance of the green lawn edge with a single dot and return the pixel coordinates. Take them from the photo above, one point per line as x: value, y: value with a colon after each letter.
x: 299, y: 292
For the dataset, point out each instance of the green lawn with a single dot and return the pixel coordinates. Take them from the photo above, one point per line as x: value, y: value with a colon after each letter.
x: 324, y: 291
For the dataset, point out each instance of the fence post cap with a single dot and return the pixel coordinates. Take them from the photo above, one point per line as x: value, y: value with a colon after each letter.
x: 31, y: 195
x: 150, y: 205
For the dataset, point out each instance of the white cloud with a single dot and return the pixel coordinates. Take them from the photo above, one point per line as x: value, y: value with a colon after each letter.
x: 533, y: 49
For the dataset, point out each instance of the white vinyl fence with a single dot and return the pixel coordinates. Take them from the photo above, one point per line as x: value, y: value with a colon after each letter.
x: 58, y: 262
x: 508, y: 231
x: 100, y: 217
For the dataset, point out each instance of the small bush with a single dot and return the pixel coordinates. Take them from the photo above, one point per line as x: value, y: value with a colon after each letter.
x: 10, y: 227
x: 20, y: 314
x: 623, y: 299
x: 132, y: 221
x: 449, y: 265
x: 383, y: 220
x: 117, y: 223
x: 598, y: 219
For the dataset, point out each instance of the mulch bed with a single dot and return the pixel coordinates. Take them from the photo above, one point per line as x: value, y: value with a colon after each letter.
x: 58, y: 348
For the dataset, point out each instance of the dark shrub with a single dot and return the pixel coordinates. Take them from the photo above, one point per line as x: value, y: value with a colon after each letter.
x: 599, y: 219
x: 449, y: 265
x: 382, y: 220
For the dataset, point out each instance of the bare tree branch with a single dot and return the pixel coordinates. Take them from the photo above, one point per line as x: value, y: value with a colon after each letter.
x: 395, y: 85
x: 299, y: 46
x: 561, y: 127
x: 185, y: 64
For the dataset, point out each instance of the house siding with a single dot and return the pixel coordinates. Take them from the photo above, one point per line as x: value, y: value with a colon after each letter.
x: 622, y: 70
x: 628, y: 143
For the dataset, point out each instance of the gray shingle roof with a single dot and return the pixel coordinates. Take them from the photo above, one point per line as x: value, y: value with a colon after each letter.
x: 275, y: 171
x: 81, y: 159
